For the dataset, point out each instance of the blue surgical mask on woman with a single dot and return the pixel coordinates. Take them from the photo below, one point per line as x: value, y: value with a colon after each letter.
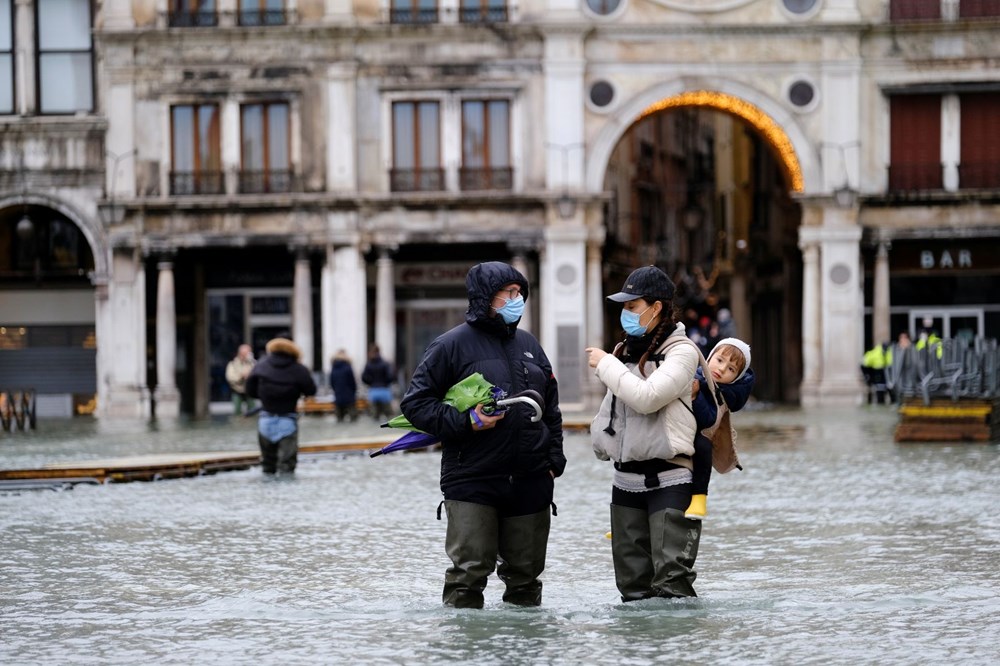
x: 512, y: 310
x: 630, y: 322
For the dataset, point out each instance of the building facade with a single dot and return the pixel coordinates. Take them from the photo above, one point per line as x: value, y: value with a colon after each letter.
x: 199, y: 173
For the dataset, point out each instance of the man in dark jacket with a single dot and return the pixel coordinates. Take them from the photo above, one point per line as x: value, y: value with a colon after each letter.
x: 377, y: 375
x: 497, y: 470
x: 278, y: 380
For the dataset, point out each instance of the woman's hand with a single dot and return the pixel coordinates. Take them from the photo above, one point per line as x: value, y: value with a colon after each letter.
x: 482, y: 421
x: 594, y: 355
x: 695, y: 387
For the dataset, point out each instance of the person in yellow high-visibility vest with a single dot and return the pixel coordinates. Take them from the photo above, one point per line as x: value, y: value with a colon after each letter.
x: 873, y: 365
x: 930, y: 341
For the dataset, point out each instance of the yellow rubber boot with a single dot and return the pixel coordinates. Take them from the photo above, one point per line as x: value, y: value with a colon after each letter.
x: 698, y: 508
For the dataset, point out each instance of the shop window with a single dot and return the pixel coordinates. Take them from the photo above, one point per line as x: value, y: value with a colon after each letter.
x: 65, y: 56
x: 416, y: 147
x: 483, y: 11
x: 266, y: 165
x: 980, y: 143
x: 196, y: 157
x: 192, y: 14
x: 6, y: 57
x: 262, y: 12
x: 915, y: 143
x: 978, y: 8
x: 486, y: 145
x: 413, y: 11
x: 914, y: 10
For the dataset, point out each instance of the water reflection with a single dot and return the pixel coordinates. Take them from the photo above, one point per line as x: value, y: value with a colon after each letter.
x: 835, y: 545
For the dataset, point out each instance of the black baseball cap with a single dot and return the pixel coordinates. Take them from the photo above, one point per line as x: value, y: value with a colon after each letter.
x: 648, y: 282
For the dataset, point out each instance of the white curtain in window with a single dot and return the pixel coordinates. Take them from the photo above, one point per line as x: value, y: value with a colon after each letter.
x: 6, y: 83
x: 6, y: 42
x: 253, y: 133
x: 402, y: 135
x: 430, y: 141
x: 277, y: 136
x: 66, y: 82
x: 64, y: 25
x: 499, y: 123
x: 183, y: 138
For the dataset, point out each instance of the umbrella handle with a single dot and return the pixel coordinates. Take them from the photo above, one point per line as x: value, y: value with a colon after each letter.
x: 526, y: 400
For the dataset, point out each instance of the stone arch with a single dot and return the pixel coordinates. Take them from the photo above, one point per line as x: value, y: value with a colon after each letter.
x: 796, y: 153
x: 92, y: 232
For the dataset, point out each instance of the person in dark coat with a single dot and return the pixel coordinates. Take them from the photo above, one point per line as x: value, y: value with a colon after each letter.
x: 344, y: 385
x: 278, y: 381
x: 378, y: 377
x: 497, y: 471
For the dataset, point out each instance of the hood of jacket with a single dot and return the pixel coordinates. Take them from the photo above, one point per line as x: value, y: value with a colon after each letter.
x: 285, y: 351
x: 482, y: 282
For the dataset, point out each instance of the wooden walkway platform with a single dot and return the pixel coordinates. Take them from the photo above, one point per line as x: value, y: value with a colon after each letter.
x: 945, y: 420
x: 156, y: 467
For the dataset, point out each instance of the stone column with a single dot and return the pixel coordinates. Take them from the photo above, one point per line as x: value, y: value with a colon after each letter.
x: 348, y: 327
x: 564, y: 307
x: 840, y: 303
x: 519, y: 262
x: 167, y: 399
x: 385, y: 306
x: 951, y: 140
x: 595, y: 295
x: 302, y: 316
x: 121, y: 339
x: 880, y: 296
x: 811, y: 352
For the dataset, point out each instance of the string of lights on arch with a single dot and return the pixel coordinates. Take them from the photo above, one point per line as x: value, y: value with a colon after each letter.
x: 743, y: 109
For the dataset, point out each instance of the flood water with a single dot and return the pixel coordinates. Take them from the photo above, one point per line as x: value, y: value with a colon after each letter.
x: 835, y: 545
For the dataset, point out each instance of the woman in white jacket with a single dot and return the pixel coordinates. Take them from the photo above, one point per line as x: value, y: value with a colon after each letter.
x: 646, y: 426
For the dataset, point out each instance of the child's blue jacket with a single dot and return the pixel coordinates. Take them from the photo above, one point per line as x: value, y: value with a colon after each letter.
x: 734, y: 395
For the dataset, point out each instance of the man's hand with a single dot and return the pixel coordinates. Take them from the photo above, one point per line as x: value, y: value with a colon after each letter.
x: 482, y: 421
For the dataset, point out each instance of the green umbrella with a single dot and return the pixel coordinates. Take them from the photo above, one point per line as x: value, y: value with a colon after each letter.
x: 464, y: 395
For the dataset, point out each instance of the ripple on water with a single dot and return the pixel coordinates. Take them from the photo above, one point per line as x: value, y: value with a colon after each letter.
x: 835, y: 545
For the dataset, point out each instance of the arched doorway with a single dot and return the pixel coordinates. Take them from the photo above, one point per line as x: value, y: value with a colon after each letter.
x: 702, y: 186
x: 48, y: 339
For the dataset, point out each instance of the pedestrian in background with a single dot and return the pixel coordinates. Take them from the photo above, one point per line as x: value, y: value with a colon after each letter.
x: 378, y: 377
x: 345, y: 386
x: 237, y: 371
x: 279, y: 380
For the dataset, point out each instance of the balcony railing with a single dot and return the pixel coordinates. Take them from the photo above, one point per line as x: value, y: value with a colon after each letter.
x: 263, y: 182
x: 978, y: 8
x: 483, y: 14
x: 414, y: 16
x: 915, y: 177
x: 979, y: 175
x: 914, y: 10
x: 412, y: 180
x: 497, y: 178
x: 255, y: 17
x: 186, y: 18
x: 197, y: 182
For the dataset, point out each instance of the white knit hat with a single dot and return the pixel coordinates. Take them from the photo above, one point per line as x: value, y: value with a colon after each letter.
x: 739, y: 344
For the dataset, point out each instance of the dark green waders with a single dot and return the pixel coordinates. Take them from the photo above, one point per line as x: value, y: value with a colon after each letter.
x: 471, y: 542
x: 523, y: 540
x: 280, y: 456
x: 654, y: 553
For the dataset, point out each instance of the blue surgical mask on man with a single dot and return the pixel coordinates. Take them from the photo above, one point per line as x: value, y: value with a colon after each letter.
x: 630, y: 322
x: 512, y: 309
